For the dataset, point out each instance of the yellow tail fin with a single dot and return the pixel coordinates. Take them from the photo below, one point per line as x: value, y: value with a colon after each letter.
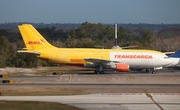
x: 39, y: 35
x: 32, y: 38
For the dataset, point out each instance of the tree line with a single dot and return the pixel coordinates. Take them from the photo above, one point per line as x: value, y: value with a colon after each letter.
x: 86, y: 36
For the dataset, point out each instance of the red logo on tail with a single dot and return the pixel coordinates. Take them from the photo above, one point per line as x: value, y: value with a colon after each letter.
x: 34, y: 42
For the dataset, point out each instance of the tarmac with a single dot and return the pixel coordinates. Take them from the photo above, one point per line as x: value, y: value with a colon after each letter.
x: 110, y: 91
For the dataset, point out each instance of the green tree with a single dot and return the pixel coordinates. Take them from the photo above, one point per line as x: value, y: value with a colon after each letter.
x: 147, y: 39
x: 123, y: 37
x: 4, y: 45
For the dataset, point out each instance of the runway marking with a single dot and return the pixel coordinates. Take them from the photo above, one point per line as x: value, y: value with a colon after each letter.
x: 121, y: 94
x: 167, y: 94
x: 171, y: 78
x: 111, y: 78
x: 70, y: 78
x: 150, y: 96
x: 131, y: 77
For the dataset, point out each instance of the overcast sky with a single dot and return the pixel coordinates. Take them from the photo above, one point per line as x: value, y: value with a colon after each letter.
x: 93, y: 11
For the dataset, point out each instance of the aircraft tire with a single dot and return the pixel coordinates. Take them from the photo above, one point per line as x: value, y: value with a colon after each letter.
x: 101, y: 72
x: 153, y: 72
x: 96, y: 72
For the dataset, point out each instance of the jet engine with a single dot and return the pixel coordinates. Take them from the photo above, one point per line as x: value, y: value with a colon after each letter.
x: 121, y: 67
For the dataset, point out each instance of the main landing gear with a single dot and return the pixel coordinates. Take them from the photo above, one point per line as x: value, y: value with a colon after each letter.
x: 98, y: 72
x: 99, y: 69
x: 152, y: 71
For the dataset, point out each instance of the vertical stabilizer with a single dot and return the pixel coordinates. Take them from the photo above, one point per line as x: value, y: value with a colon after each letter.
x: 25, y: 38
x: 176, y: 55
x: 39, y: 35
x: 32, y: 39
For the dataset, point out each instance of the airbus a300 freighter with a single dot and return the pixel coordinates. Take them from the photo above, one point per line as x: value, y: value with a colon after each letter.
x: 99, y: 59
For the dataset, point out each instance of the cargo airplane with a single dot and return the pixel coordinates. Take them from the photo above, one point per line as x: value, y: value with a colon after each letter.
x: 99, y: 59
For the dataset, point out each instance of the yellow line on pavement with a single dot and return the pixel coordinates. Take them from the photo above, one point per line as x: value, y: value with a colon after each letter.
x: 150, y: 96
x: 131, y: 77
x: 70, y: 78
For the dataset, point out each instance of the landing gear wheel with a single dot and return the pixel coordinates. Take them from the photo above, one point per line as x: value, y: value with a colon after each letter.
x: 99, y: 69
x: 170, y: 69
x: 96, y: 72
x: 153, y: 72
x: 101, y: 72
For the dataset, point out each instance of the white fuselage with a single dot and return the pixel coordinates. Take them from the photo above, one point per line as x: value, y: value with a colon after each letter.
x: 143, y: 59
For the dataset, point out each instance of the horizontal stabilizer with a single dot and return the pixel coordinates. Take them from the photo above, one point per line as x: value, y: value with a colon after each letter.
x: 99, y: 46
x: 127, y: 47
x: 29, y: 52
x: 169, y: 53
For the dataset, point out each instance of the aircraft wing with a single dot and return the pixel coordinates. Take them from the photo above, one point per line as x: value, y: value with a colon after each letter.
x: 100, y: 64
x: 100, y: 61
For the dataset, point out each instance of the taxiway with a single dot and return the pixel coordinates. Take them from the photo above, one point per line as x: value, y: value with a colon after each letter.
x: 129, y: 91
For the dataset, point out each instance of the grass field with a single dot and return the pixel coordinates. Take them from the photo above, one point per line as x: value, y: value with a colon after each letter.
x: 27, y: 105
x: 23, y: 91
x: 31, y: 105
x: 46, y: 70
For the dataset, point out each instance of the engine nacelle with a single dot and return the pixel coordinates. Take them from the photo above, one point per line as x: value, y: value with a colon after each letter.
x: 121, y: 67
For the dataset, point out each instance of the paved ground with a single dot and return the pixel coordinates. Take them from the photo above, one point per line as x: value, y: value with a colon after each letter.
x: 119, y: 91
x: 134, y: 101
